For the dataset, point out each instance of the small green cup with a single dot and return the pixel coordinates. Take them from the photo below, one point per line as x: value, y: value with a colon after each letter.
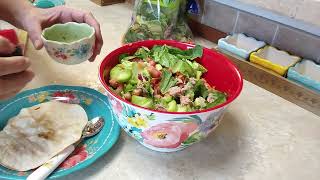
x: 69, y: 43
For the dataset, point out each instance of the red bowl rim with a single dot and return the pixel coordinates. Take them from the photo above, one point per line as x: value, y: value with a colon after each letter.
x: 114, y: 52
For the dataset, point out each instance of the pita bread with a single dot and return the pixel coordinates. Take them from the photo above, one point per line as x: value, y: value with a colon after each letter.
x: 40, y: 132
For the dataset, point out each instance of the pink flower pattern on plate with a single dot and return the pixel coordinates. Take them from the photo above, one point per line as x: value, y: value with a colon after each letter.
x: 168, y: 135
x: 79, y: 155
x: 70, y: 97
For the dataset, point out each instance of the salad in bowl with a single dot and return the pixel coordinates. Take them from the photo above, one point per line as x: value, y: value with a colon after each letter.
x: 164, y: 78
x: 166, y: 94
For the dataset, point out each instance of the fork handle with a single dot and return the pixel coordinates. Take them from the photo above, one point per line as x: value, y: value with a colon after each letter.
x: 46, y: 169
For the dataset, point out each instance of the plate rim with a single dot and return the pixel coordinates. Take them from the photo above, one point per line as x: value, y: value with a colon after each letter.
x: 115, y: 130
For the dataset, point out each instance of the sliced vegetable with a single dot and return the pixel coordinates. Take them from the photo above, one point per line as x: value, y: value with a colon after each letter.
x: 128, y: 58
x: 142, y: 101
x: 167, y: 81
x: 200, y: 102
x: 135, y: 70
x: 219, y: 98
x: 182, y: 108
x: 167, y: 98
x: 200, y: 90
x: 164, y: 78
x: 146, y: 74
x: 120, y: 73
x: 190, y: 94
x: 127, y: 64
x: 148, y: 88
x: 123, y: 56
x: 189, y: 54
x: 129, y: 88
x: 172, y: 106
x: 161, y: 55
x: 184, y: 68
x: 198, y: 75
x: 142, y: 53
x: 158, y: 67
x: 198, y: 67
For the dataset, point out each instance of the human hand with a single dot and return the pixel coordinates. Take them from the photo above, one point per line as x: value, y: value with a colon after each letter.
x: 38, y: 19
x: 13, y: 71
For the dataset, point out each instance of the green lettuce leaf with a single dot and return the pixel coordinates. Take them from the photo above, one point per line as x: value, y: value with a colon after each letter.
x: 162, y: 56
x: 219, y: 99
x: 142, y: 53
x: 123, y: 56
x: 178, y: 60
x: 189, y: 54
x: 198, y: 67
x: 134, y: 78
x: 147, y: 86
x: 167, y: 81
x: 127, y: 58
x: 127, y: 64
x: 200, y: 90
x: 184, y: 68
x: 129, y: 88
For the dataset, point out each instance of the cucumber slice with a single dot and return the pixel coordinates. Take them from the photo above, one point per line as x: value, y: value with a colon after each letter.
x: 172, y: 106
x: 120, y: 74
x: 167, y: 98
x: 182, y: 108
x: 142, y: 101
x: 158, y: 67
x: 198, y: 75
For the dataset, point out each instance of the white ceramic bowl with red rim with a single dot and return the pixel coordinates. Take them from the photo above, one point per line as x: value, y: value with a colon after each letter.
x: 173, y: 131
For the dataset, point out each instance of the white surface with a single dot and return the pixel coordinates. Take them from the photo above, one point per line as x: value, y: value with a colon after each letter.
x: 243, y: 42
x: 276, y: 56
x: 281, y: 18
x: 309, y: 68
x: 261, y: 137
x: 306, y: 10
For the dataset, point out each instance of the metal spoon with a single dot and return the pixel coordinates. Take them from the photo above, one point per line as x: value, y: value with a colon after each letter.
x: 92, y: 128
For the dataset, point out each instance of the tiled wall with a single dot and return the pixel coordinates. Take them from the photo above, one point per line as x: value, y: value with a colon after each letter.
x: 232, y: 20
x: 306, y: 10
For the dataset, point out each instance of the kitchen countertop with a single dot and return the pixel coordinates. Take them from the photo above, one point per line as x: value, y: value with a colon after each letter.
x: 262, y: 136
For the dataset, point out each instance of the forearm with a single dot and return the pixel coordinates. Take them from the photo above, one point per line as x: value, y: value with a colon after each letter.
x: 12, y: 11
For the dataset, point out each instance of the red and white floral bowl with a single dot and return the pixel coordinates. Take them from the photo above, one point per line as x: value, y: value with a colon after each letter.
x: 173, y: 131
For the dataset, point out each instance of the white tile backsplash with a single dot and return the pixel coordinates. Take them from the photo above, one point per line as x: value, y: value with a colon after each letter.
x: 305, y: 10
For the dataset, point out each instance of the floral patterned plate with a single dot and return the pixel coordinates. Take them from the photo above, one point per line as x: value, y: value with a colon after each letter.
x: 94, y: 103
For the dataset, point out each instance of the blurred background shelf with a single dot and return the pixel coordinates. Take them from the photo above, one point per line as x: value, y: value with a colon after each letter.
x: 107, y: 2
x: 289, y: 90
x: 267, y: 79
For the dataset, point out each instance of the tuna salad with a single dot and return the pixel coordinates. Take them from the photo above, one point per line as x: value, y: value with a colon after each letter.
x: 164, y: 78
